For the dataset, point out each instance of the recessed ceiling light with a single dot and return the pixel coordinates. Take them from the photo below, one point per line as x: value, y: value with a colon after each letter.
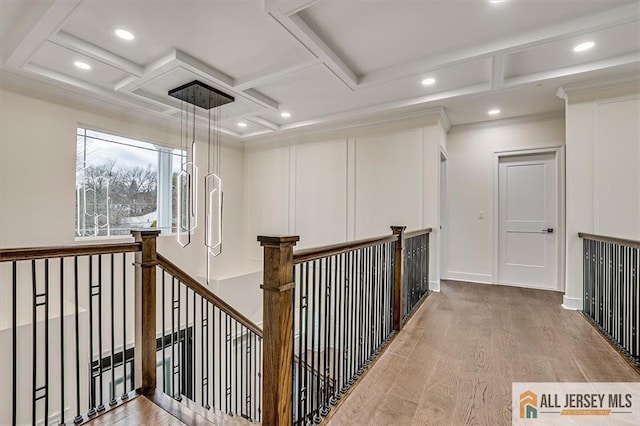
x: 428, y: 81
x: 493, y: 111
x: 124, y: 34
x: 82, y: 65
x: 242, y: 124
x: 497, y: 1
x: 584, y: 46
x: 285, y: 114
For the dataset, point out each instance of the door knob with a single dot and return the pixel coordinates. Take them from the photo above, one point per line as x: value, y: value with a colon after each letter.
x: 548, y: 230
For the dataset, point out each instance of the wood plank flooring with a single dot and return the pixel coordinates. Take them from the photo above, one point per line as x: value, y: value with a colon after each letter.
x: 139, y: 411
x: 454, y: 362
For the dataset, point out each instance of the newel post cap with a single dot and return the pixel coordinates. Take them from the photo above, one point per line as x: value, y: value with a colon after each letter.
x: 278, y: 240
x: 144, y: 233
x: 398, y: 229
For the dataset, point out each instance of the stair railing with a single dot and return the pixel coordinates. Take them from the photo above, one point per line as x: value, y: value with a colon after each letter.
x: 334, y: 309
x: 611, y: 291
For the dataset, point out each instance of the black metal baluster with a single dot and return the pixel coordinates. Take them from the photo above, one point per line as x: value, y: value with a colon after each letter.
x: 185, y: 361
x: 204, y: 341
x: 113, y: 343
x: 259, y: 367
x: 391, y: 283
x: 337, y: 328
x: 228, y: 377
x: 92, y: 392
x: 78, y: 418
x: 307, y: 391
x: 210, y: 340
x: 375, y: 330
x: 252, y: 378
x: 213, y: 352
x: 241, y: 409
x: 344, y: 302
x: 617, y: 304
x: 230, y: 366
x: 100, y: 407
x: 14, y: 341
x: 249, y: 392
x: 62, y: 341
x: 234, y: 347
x: 627, y: 296
x: 180, y: 364
x: 383, y: 293
x: 327, y: 333
x: 370, y: 303
x: 173, y: 334
x: 46, y: 341
x: 220, y: 370
x: 194, y: 345
x: 34, y: 343
x: 360, y: 297
x: 299, y: 290
x: 163, y: 342
x: 312, y: 366
x: 364, y: 296
x: 635, y: 320
x: 125, y: 393
x: 352, y: 316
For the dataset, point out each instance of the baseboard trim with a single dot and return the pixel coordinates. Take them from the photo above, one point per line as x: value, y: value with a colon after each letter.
x: 572, y: 303
x: 434, y: 285
x: 465, y: 276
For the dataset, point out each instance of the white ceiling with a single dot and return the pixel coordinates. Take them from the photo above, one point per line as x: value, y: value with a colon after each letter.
x: 323, y: 61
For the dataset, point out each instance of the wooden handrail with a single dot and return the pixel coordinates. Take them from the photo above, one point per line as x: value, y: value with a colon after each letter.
x: 32, y: 253
x: 315, y: 253
x: 605, y: 239
x: 204, y: 292
x: 417, y: 233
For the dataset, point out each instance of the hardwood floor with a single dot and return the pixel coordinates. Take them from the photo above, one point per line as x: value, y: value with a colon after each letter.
x: 139, y: 411
x: 455, y: 360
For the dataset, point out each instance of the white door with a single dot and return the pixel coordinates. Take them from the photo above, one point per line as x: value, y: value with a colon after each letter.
x: 528, y: 215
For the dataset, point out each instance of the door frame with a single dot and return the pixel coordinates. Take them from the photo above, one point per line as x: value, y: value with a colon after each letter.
x: 443, y: 212
x: 559, y: 154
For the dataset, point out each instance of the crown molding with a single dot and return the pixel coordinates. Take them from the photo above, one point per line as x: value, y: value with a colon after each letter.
x: 512, y: 121
x: 38, y: 87
x: 567, y: 90
x: 378, y: 124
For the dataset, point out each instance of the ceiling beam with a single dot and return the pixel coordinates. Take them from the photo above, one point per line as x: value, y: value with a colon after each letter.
x: 622, y: 60
x: 497, y: 71
x: 99, y: 54
x: 417, y: 102
x: 603, y: 20
x: 299, y: 29
x: 264, y: 123
x: 288, y: 7
x: 275, y: 72
x: 53, y: 19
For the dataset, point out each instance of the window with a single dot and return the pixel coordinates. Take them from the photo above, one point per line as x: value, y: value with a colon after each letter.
x: 124, y: 184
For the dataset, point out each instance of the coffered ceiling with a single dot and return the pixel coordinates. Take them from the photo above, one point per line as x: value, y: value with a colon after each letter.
x: 323, y: 61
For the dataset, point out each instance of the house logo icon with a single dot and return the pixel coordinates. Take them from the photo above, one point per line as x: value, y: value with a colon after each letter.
x: 528, y: 405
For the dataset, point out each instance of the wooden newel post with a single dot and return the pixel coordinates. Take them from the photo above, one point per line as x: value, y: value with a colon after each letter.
x: 398, y: 278
x: 277, y: 359
x: 145, y: 310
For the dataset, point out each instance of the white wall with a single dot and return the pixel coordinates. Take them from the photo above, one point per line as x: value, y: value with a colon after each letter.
x: 37, y: 178
x: 603, y: 181
x: 345, y: 188
x: 470, y: 188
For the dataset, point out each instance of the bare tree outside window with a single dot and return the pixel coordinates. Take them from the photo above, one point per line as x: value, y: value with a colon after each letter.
x: 117, y: 185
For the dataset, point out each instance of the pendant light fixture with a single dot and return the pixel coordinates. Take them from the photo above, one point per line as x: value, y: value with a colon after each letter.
x: 207, y: 98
